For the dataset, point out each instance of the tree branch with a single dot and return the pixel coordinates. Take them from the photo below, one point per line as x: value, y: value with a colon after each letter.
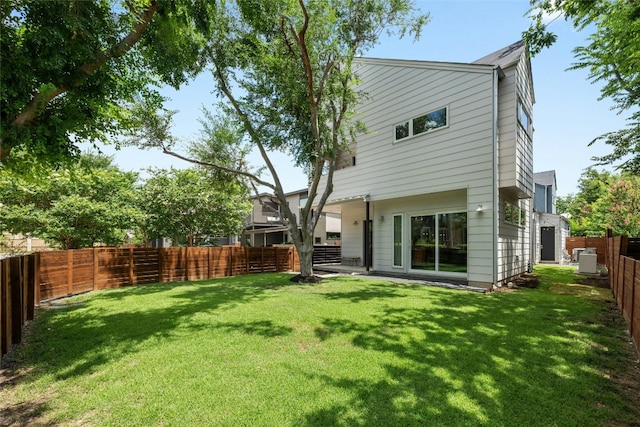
x: 277, y: 186
x: 41, y: 99
x: 249, y: 175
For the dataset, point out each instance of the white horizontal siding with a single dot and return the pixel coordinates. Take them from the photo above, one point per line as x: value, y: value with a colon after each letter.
x: 453, y: 157
x: 516, y: 150
x: 514, y: 242
x: 507, y: 119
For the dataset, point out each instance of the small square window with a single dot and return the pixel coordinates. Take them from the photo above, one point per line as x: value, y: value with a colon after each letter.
x: 402, y: 131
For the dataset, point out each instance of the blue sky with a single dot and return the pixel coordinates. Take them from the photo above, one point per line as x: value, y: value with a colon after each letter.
x: 566, y: 116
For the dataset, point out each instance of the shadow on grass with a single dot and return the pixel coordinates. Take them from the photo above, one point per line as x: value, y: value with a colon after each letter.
x: 528, y: 358
x: 457, y: 358
x: 87, y: 334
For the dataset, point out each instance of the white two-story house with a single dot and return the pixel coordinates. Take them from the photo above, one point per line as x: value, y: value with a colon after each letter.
x: 441, y: 183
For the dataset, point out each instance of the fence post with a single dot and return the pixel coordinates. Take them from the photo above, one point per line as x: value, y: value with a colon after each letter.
x: 131, y: 273
x: 634, y: 330
x: 230, y: 261
x: 632, y: 315
x: 69, y: 272
x: 30, y: 286
x: 186, y: 263
x: 96, y: 270
x: 36, y: 278
x: 5, y: 307
x: 247, y: 266
x: 160, y: 265
x: 27, y: 288
x: 210, y: 262
x: 16, y: 299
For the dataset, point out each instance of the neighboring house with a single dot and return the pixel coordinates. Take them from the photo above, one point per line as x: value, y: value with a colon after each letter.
x: 550, y: 230
x: 18, y: 243
x: 443, y: 181
x: 264, y: 227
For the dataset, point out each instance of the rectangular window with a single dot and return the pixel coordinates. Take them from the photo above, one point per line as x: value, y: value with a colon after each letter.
x: 514, y: 214
x: 332, y: 235
x: 397, y: 240
x: 270, y: 208
x: 508, y: 212
x: 524, y: 118
x: 430, y: 121
x: 422, y: 124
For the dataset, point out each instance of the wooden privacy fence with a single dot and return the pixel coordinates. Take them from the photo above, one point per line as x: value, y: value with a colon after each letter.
x: 599, y: 243
x: 18, y: 276
x: 27, y: 280
x: 624, y: 280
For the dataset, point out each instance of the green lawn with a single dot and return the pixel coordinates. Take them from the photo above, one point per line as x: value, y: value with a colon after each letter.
x: 261, y: 350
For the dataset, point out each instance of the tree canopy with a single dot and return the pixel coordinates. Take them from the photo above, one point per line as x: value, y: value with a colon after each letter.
x: 604, y: 201
x: 285, y: 69
x: 90, y: 202
x: 69, y: 68
x: 612, y: 57
x: 191, y: 208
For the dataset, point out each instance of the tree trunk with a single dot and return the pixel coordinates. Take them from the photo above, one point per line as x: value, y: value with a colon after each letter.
x: 305, y: 252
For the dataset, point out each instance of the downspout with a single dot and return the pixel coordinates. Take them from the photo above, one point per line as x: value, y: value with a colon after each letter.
x: 367, y: 235
x: 496, y: 154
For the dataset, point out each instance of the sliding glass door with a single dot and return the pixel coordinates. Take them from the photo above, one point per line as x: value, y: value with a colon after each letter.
x: 439, y: 242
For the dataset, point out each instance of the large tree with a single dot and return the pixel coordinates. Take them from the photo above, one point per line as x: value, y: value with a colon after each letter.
x: 90, y: 202
x: 612, y: 57
x: 604, y: 201
x: 286, y: 71
x: 190, y: 207
x: 619, y: 208
x: 69, y: 67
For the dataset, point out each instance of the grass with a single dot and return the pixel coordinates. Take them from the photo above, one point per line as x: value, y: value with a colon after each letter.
x: 261, y: 350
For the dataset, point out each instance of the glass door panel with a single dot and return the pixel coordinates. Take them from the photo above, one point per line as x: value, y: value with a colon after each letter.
x: 452, y: 242
x: 423, y: 242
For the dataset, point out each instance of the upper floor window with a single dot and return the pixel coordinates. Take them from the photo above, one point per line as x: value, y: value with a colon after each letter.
x: 421, y: 124
x: 524, y: 118
x: 270, y: 208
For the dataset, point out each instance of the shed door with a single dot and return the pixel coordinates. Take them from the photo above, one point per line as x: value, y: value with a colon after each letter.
x: 547, y: 243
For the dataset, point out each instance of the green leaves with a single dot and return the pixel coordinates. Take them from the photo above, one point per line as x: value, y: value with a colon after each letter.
x: 90, y: 202
x: 189, y: 207
x: 611, y: 57
x: 604, y: 201
x: 71, y: 67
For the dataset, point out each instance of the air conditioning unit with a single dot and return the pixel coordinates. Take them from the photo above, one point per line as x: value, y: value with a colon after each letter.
x: 575, y: 255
